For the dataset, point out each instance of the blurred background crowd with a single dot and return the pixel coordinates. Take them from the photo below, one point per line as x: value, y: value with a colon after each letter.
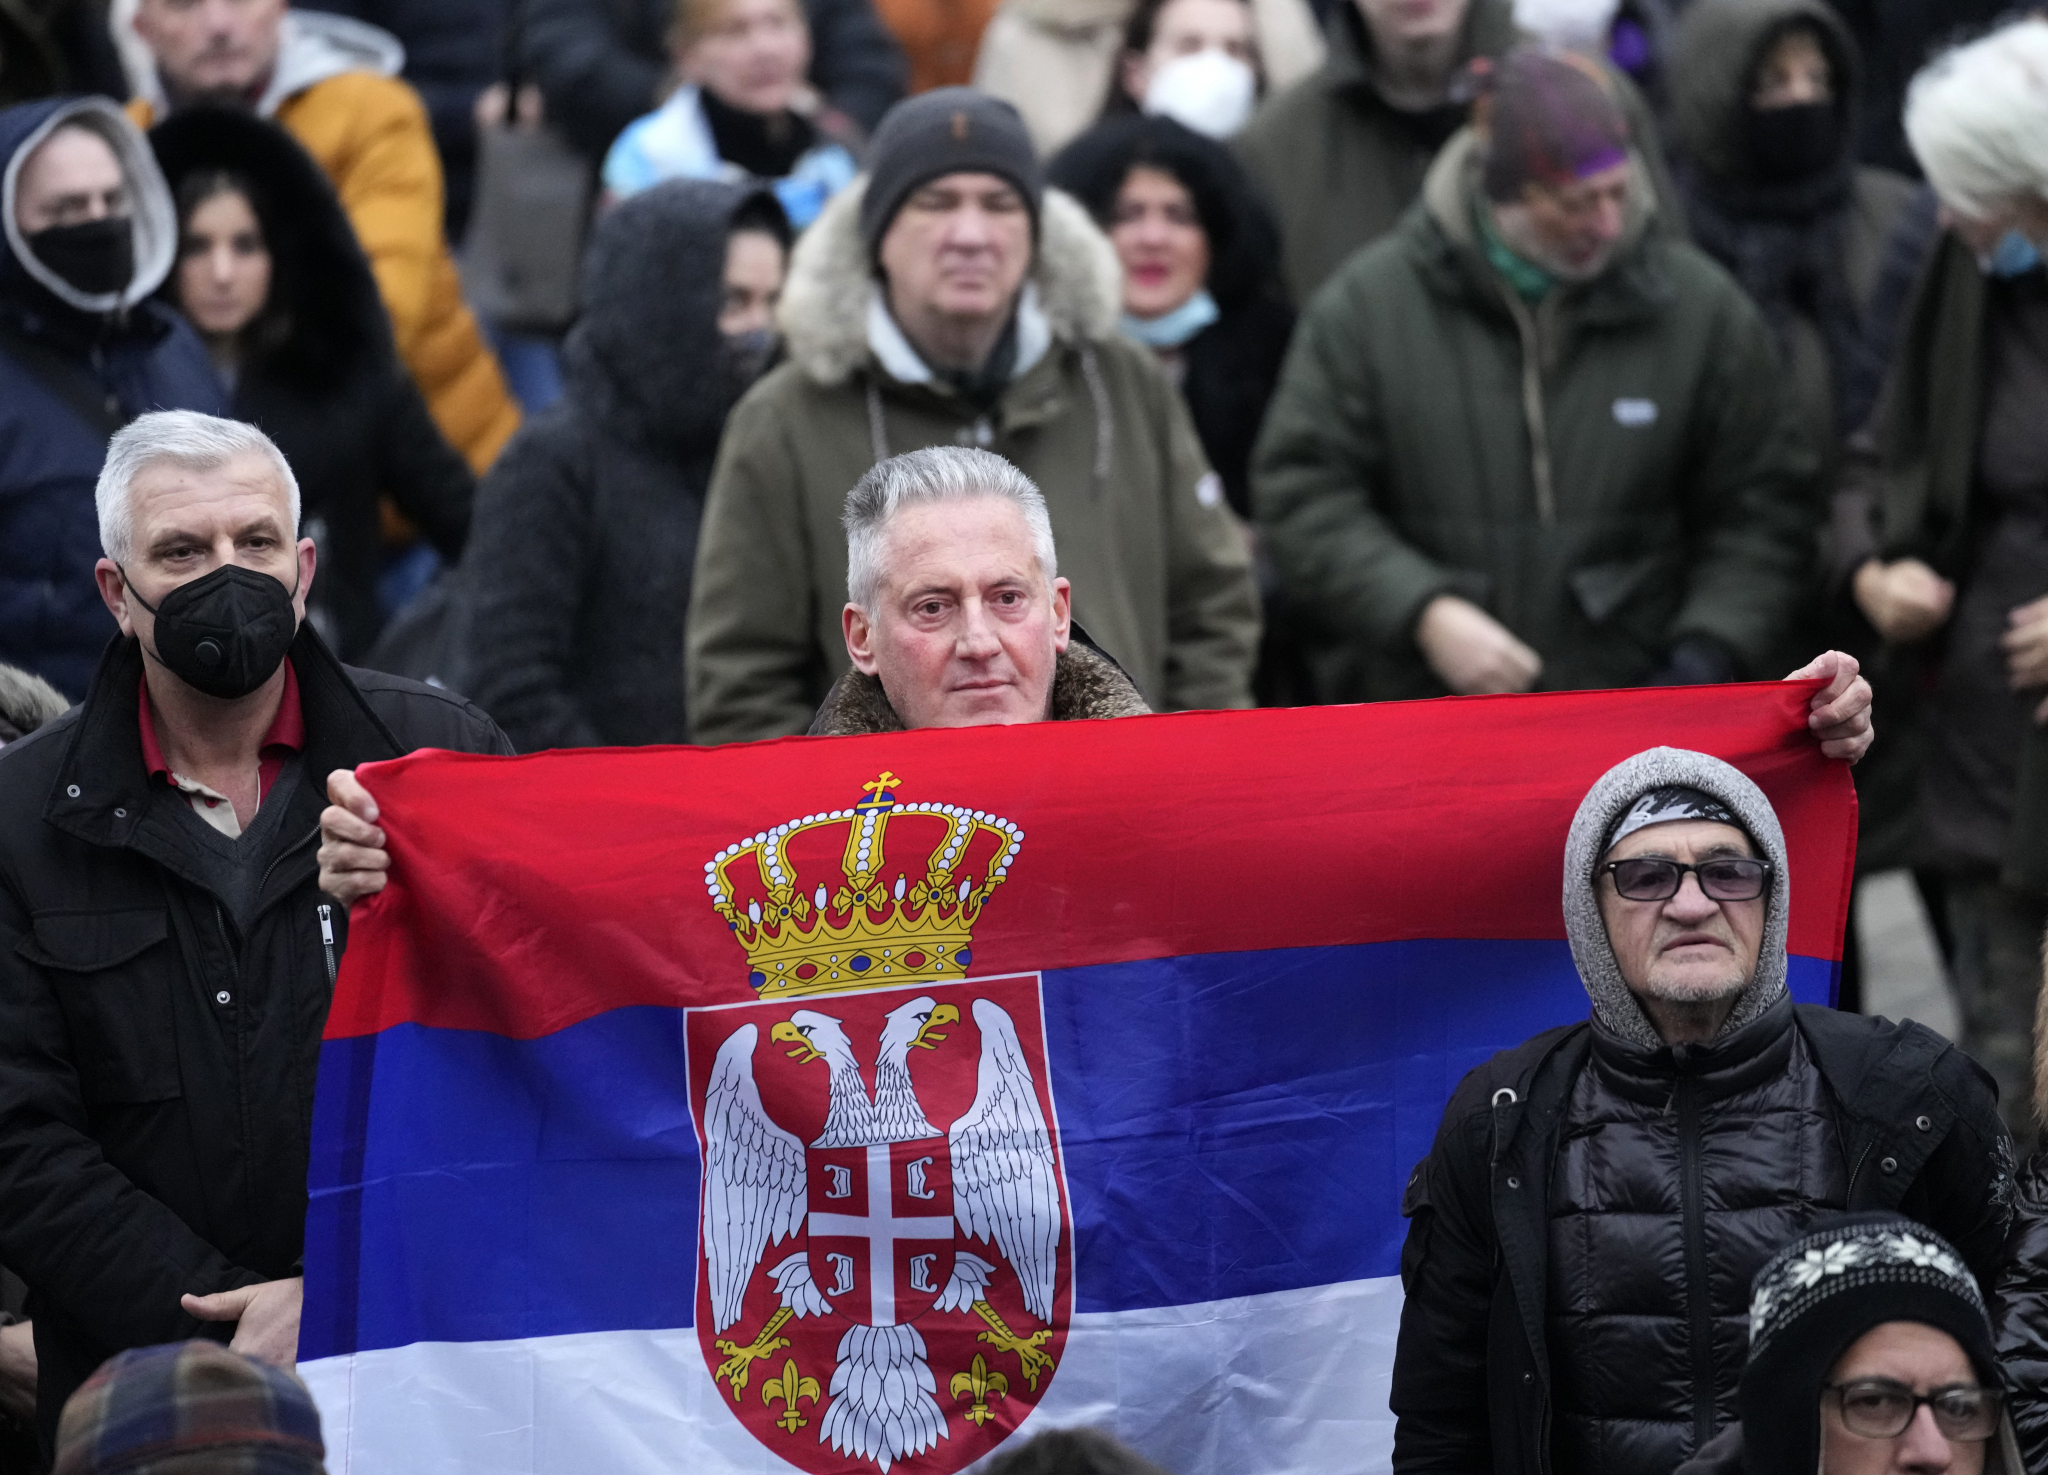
x: 1364, y: 349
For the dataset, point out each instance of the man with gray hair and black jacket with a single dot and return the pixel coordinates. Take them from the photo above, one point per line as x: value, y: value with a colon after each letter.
x: 1585, y: 1229
x: 166, y: 958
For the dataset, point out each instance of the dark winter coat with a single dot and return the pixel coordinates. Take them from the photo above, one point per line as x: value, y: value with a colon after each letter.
x: 602, y: 63
x: 1581, y: 1191
x: 156, y: 1070
x: 579, y: 575
x: 1086, y: 686
x: 324, y: 381
x: 1228, y: 370
x: 1808, y: 250
x: 70, y: 377
x: 1610, y: 474
x: 454, y: 49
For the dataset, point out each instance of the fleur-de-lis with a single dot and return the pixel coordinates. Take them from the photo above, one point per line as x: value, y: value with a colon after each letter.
x: 981, y: 1384
x: 787, y: 1387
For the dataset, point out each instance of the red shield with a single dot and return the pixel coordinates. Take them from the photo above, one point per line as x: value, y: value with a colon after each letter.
x: 881, y: 1228
x: 853, y: 1232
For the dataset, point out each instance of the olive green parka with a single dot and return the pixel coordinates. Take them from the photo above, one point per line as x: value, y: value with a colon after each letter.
x: 1160, y: 568
x: 1611, y: 472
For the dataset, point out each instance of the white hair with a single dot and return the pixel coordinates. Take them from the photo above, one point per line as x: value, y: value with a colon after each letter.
x: 186, y: 439
x: 918, y: 478
x: 1977, y: 117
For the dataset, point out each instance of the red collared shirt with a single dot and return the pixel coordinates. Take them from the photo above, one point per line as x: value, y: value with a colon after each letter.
x: 286, y: 736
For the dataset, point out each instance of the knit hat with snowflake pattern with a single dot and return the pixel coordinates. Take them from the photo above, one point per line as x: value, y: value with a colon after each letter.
x: 1815, y: 1297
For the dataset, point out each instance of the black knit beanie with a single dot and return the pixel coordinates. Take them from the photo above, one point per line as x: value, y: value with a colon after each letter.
x: 1815, y: 1297
x: 950, y: 130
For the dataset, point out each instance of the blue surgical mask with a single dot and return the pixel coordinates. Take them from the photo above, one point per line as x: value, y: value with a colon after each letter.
x: 1172, y: 329
x: 2013, y: 256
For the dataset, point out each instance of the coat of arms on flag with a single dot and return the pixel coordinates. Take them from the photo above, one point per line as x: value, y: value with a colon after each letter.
x: 885, y: 1241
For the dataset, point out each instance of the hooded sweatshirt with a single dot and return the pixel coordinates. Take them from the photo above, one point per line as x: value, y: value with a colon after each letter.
x: 1679, y: 1169
x: 74, y: 366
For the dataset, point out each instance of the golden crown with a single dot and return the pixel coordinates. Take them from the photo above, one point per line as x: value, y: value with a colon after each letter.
x: 822, y: 938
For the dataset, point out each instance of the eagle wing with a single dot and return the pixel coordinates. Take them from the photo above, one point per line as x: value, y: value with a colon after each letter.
x: 1005, y: 1187
x: 754, y: 1189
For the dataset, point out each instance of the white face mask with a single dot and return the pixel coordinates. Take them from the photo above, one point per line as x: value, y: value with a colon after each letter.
x: 1576, y: 25
x: 1210, y: 91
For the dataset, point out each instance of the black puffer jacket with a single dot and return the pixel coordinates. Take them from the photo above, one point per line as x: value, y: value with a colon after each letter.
x: 159, y: 1025
x: 576, y: 583
x: 1684, y: 1167
x: 1492, y: 1372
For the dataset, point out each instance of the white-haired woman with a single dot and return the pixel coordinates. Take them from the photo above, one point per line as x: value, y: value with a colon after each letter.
x: 1944, y: 534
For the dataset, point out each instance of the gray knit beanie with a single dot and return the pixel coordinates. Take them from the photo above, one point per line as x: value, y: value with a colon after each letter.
x: 1604, y: 807
x: 949, y: 130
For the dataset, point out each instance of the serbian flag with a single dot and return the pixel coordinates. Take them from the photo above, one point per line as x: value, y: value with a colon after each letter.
x: 867, y: 1104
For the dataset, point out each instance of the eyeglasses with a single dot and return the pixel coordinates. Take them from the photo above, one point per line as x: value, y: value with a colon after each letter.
x: 1878, y: 1408
x: 1651, y: 878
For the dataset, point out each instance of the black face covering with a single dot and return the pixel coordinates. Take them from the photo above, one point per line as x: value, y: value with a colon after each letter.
x: 1794, y: 142
x: 225, y: 633
x: 742, y: 357
x: 95, y: 256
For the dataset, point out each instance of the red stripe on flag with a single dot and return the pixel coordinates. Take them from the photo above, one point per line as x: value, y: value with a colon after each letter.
x: 528, y: 894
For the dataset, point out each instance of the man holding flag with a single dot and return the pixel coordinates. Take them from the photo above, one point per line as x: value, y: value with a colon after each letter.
x: 1584, y: 1232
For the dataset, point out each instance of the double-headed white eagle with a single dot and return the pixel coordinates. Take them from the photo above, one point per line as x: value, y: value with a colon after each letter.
x: 1005, y: 1190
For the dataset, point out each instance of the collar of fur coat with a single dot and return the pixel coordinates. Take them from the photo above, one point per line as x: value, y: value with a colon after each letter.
x: 1086, y: 684
x: 824, y: 311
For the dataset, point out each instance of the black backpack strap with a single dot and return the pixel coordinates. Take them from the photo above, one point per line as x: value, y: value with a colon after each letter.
x: 82, y: 394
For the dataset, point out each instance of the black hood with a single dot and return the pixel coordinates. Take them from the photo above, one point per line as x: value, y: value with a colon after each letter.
x: 646, y: 356
x: 1244, y: 243
x: 1719, y: 45
x: 324, y: 314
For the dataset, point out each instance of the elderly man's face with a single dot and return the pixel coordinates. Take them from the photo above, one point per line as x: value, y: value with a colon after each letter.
x: 1981, y: 232
x: 71, y: 178
x: 1911, y: 1355
x: 1689, y: 949
x: 966, y: 628
x: 189, y: 523
x: 212, y: 48
x: 959, y: 248
x: 1570, y: 230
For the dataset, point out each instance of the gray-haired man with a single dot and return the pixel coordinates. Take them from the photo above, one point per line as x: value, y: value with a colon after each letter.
x: 166, y: 958
x: 1585, y: 1229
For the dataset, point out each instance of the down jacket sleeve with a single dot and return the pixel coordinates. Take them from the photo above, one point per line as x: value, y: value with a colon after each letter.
x: 2019, y: 1312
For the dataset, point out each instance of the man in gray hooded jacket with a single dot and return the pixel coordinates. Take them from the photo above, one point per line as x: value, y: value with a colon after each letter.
x: 1585, y: 1229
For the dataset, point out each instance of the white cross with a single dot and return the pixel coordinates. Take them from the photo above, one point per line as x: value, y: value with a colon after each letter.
x: 881, y: 1229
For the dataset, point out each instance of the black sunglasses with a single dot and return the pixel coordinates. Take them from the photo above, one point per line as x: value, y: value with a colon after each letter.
x: 1652, y: 878
x: 1878, y: 1408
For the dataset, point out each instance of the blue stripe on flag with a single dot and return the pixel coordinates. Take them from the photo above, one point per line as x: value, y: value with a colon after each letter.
x: 1231, y: 1124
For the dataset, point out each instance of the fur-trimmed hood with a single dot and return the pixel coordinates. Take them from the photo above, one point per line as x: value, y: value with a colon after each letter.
x: 1614, y: 1006
x: 1086, y: 685
x: 824, y: 311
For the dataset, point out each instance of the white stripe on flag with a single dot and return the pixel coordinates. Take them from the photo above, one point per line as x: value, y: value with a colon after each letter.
x: 1292, y: 1383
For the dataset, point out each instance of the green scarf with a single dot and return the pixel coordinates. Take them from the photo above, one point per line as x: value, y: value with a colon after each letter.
x: 1530, y: 282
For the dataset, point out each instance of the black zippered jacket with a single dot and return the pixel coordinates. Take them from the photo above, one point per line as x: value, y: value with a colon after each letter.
x: 157, y: 1060
x: 1554, y: 1208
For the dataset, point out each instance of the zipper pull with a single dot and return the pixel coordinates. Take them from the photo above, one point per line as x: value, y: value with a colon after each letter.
x: 326, y: 923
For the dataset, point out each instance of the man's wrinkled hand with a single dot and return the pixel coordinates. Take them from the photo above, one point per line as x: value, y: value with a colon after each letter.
x: 353, y: 860
x: 1472, y: 652
x: 266, y: 1317
x: 1904, y: 601
x: 1839, y: 714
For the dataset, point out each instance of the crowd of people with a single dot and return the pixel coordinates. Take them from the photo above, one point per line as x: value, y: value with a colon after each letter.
x: 506, y: 375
